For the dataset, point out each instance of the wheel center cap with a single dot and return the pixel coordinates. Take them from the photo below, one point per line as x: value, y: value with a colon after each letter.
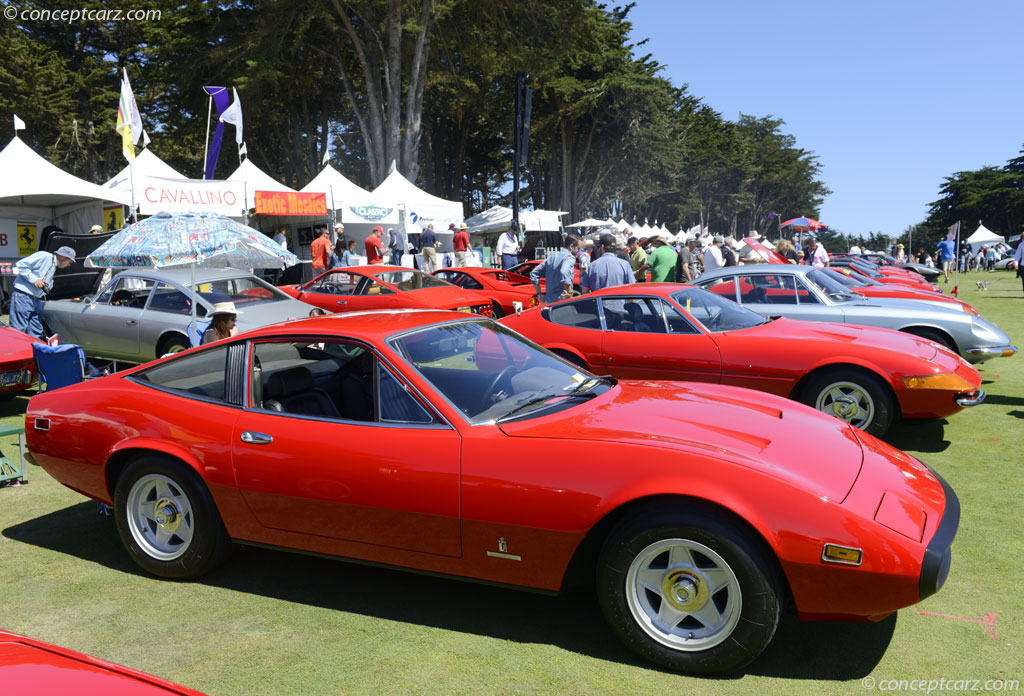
x: 167, y: 515
x: 685, y: 590
x: 844, y: 406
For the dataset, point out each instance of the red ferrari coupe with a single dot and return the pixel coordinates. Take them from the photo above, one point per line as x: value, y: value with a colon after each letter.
x: 30, y: 666
x: 387, y: 287
x: 17, y: 366
x: 504, y: 287
x: 862, y: 285
x: 450, y: 444
x: 864, y: 375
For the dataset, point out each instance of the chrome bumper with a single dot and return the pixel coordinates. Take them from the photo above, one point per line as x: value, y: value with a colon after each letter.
x: 966, y: 400
x: 991, y: 352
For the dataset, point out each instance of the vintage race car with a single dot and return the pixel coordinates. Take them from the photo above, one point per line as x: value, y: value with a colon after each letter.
x: 866, y: 376
x: 865, y: 268
x: 144, y: 313
x: 449, y: 444
x: 17, y: 366
x: 360, y: 288
x: 862, y: 285
x: 507, y: 289
x: 805, y: 292
x: 30, y: 666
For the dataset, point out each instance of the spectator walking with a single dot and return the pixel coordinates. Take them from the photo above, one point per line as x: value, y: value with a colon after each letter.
x: 609, y: 269
x: 348, y: 257
x: 428, y: 247
x: 461, y: 243
x: 557, y: 270
x: 945, y: 252
x: 399, y: 244
x: 508, y: 249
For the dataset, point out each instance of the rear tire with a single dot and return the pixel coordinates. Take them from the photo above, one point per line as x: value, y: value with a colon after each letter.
x: 168, y: 520
x: 854, y: 396
x: 174, y: 343
x: 498, y: 312
x: 689, y: 590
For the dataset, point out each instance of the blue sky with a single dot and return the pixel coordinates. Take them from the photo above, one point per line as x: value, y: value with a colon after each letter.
x: 891, y: 96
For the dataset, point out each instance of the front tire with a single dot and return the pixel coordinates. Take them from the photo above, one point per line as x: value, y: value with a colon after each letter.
x: 168, y: 520
x: 853, y: 396
x: 689, y: 591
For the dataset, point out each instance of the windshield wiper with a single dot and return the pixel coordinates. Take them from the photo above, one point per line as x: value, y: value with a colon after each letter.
x: 555, y: 398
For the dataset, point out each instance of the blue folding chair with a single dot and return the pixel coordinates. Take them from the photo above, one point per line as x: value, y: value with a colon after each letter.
x: 196, y: 329
x: 60, y: 366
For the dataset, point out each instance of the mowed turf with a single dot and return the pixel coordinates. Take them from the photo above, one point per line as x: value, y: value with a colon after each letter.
x: 277, y: 623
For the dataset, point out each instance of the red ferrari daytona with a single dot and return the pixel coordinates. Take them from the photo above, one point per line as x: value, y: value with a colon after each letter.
x: 450, y: 444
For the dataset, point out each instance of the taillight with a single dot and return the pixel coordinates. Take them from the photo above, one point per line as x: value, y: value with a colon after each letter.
x: 485, y: 310
x: 533, y: 301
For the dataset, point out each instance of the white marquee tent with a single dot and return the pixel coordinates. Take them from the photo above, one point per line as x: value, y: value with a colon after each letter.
x: 499, y: 218
x: 254, y: 179
x: 356, y: 204
x: 983, y: 237
x: 421, y: 207
x: 145, y: 165
x: 35, y: 193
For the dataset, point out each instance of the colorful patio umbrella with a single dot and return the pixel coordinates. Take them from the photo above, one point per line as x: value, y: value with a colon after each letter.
x: 804, y: 224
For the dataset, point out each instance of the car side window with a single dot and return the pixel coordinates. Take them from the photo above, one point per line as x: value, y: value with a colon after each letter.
x: 200, y: 374
x: 582, y: 314
x: 369, y: 286
x: 167, y: 298
x: 804, y: 295
x: 677, y: 323
x: 335, y: 284
x: 126, y: 292
x: 633, y: 314
x: 726, y: 287
x: 336, y: 380
x: 769, y: 288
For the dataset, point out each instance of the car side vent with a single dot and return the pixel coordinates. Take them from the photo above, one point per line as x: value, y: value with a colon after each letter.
x: 42, y: 425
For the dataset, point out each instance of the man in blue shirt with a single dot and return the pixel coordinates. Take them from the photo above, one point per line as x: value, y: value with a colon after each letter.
x: 34, y: 280
x: 557, y: 271
x: 428, y: 245
x: 609, y: 269
x: 946, y: 251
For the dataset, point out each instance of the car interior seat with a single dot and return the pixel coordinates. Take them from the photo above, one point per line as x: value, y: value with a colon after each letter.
x: 355, y: 382
x: 293, y: 391
x: 636, y: 316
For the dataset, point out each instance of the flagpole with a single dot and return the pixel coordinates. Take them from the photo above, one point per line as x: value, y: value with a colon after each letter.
x: 956, y: 260
x: 206, y: 146
x: 131, y: 175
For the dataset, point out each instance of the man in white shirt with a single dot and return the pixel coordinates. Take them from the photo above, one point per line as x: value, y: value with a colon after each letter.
x: 281, y: 238
x: 1018, y: 258
x: 508, y: 249
x: 855, y: 250
x: 713, y: 256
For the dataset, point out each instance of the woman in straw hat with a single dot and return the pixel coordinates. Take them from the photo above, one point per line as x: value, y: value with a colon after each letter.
x: 222, y: 324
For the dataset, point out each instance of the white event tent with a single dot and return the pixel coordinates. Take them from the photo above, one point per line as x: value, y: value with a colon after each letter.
x: 499, y: 218
x: 144, y: 166
x: 421, y: 207
x: 983, y: 237
x: 352, y: 203
x: 252, y: 179
x: 35, y: 193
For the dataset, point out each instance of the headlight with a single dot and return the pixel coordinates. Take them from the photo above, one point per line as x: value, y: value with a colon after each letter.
x: 951, y: 382
x: 983, y: 332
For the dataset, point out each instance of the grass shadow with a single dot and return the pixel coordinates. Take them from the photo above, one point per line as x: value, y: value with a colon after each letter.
x: 918, y: 436
x: 1004, y: 400
x: 572, y: 621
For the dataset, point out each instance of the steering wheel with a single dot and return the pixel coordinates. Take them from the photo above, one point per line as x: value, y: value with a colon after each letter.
x: 487, y: 400
x: 714, y: 316
x: 123, y: 298
x: 328, y: 288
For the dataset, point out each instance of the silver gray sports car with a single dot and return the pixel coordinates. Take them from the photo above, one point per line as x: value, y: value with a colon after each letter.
x: 144, y: 313
x: 804, y: 292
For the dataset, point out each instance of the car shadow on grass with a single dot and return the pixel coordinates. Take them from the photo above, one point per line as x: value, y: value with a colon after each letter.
x: 918, y: 436
x: 572, y: 621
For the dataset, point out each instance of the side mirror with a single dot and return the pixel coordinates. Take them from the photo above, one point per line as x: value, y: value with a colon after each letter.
x: 518, y: 306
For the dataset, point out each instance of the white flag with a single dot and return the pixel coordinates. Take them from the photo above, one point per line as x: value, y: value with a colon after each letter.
x: 233, y: 115
x: 242, y: 150
x: 327, y: 156
x: 18, y: 124
x: 145, y: 139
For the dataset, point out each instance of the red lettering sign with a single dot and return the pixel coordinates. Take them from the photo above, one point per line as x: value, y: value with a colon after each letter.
x: 285, y: 203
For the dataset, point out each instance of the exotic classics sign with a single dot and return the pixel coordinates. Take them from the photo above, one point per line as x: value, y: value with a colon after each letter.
x: 290, y: 203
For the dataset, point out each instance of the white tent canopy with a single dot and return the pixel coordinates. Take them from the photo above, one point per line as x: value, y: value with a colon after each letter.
x: 356, y: 204
x: 983, y: 236
x: 420, y: 206
x: 146, y: 165
x: 499, y: 218
x: 35, y: 193
x: 254, y: 179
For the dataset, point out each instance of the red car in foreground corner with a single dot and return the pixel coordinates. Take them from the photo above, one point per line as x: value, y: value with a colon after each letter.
x: 450, y: 444
x: 17, y: 366
x: 866, y: 376
x: 30, y: 666
x: 504, y: 287
x: 377, y: 287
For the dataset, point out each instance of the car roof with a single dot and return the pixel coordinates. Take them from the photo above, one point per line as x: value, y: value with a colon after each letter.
x: 183, y: 274
x: 799, y: 269
x: 370, y: 325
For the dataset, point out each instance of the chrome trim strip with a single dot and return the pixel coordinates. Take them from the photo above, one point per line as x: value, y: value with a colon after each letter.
x: 967, y: 400
x: 509, y: 556
x: 991, y: 350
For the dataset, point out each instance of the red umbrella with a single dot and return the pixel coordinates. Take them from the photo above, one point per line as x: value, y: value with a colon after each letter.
x: 804, y: 224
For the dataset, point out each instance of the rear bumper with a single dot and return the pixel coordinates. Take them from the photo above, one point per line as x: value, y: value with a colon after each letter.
x: 979, y: 354
x: 938, y: 554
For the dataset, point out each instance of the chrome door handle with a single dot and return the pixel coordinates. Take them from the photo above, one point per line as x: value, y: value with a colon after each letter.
x: 131, y: 322
x: 254, y: 438
x: 342, y: 301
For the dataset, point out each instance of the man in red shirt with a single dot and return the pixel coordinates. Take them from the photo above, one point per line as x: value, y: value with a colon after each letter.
x: 461, y: 243
x: 374, y: 247
x: 320, y: 250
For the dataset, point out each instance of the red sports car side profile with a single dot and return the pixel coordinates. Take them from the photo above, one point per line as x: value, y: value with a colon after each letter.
x: 17, y: 366
x: 444, y: 443
x: 504, y: 287
x: 29, y: 666
x: 359, y: 288
x: 866, y: 376
x: 862, y: 285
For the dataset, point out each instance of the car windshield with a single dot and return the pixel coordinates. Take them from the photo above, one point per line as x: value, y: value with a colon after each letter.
x: 867, y: 269
x: 845, y: 280
x: 245, y: 290
x: 490, y: 373
x: 715, y: 312
x: 836, y: 291
x: 410, y: 280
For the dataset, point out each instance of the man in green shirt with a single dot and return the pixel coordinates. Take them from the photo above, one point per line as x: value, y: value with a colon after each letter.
x: 637, y: 259
x: 662, y: 261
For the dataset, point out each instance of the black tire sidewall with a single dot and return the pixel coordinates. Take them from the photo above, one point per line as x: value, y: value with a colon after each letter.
x: 755, y: 569
x: 873, y: 385
x: 168, y: 343
x: 210, y: 544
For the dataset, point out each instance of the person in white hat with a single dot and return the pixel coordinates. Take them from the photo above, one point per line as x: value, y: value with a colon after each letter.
x: 222, y: 324
x: 34, y: 280
x: 96, y: 229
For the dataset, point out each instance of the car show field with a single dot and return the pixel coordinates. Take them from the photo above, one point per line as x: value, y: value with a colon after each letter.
x: 270, y: 622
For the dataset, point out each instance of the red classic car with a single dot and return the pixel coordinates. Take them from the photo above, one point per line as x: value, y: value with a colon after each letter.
x: 504, y: 287
x: 450, y: 444
x: 17, y: 367
x: 387, y: 287
x: 30, y: 666
x: 863, y: 285
x: 864, y: 375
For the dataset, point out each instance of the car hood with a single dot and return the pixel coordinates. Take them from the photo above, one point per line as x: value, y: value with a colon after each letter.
x: 448, y: 298
x: 854, y: 334
x: 905, y: 306
x: 253, y: 316
x: 14, y: 342
x: 760, y: 431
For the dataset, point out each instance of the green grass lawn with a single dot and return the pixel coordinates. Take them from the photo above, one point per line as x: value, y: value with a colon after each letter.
x: 276, y: 623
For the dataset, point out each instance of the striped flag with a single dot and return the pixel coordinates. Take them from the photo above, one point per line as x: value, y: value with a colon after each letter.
x: 129, y: 122
x: 954, y: 231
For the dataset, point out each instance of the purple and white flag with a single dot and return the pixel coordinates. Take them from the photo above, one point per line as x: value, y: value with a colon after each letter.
x: 220, y: 99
